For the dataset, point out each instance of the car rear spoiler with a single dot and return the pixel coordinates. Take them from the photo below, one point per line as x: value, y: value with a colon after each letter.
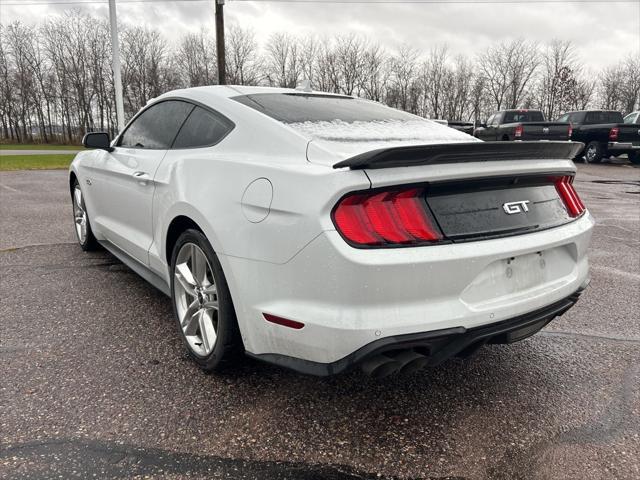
x: 460, y: 153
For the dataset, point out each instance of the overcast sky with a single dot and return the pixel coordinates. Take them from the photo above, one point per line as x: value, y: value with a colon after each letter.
x: 603, y: 32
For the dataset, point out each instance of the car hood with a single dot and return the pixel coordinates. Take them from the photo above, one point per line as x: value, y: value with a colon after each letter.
x: 331, y: 142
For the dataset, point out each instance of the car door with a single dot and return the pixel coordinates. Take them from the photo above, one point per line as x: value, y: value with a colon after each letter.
x: 491, y: 132
x: 122, y: 181
x: 191, y: 153
x: 482, y: 132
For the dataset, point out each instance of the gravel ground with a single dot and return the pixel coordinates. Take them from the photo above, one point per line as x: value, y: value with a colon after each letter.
x: 94, y: 382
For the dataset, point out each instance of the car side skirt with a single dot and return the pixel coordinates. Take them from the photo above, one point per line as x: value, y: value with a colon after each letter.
x: 142, y: 270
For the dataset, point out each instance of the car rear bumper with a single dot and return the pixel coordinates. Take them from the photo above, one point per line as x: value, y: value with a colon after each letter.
x: 436, y: 345
x: 349, y: 298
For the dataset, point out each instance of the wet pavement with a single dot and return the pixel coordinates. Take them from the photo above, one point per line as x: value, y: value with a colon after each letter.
x: 94, y: 382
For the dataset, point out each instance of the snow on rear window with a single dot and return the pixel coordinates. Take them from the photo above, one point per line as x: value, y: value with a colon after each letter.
x: 414, y: 130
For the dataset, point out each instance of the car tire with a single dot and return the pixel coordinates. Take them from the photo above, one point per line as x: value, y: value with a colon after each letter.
x: 593, y: 153
x: 202, y: 303
x: 81, y: 222
x: 634, y: 158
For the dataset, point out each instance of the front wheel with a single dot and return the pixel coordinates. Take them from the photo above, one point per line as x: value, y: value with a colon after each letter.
x: 593, y: 153
x: 202, y: 303
x: 634, y: 157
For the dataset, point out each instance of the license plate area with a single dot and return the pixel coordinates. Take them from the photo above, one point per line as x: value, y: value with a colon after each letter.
x: 513, y: 277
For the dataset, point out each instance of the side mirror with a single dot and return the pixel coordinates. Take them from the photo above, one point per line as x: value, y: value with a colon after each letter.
x: 98, y: 140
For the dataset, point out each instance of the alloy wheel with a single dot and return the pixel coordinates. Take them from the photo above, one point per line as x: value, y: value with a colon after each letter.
x: 196, y: 299
x: 79, y: 215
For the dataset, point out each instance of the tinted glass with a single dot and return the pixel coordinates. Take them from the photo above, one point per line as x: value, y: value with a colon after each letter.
x: 576, y: 117
x: 294, y: 108
x: 603, y: 117
x: 157, y: 126
x: 203, y: 128
x: 532, y: 116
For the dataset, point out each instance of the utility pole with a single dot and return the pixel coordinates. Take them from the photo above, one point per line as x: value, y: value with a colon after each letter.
x: 115, y: 63
x: 220, y: 51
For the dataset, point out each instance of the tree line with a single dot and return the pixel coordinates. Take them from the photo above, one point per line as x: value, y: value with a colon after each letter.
x: 57, y: 82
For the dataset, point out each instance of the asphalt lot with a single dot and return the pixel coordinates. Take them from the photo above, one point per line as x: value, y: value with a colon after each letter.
x: 94, y: 382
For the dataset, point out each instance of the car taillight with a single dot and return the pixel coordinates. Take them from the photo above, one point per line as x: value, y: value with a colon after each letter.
x: 569, y: 196
x: 570, y: 130
x: 519, y: 130
x: 613, y: 134
x: 397, y: 217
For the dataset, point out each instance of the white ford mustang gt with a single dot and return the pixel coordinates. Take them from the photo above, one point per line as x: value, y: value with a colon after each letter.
x: 320, y: 231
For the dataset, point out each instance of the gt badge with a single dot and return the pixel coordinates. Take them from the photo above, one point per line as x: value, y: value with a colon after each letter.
x: 515, y: 207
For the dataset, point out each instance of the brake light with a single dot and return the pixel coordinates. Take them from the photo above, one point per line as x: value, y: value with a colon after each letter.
x: 519, y: 130
x: 396, y: 217
x: 613, y: 134
x: 570, y: 130
x: 569, y: 196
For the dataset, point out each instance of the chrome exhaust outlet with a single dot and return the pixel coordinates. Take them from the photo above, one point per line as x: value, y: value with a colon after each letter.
x: 381, y: 366
x: 411, y: 361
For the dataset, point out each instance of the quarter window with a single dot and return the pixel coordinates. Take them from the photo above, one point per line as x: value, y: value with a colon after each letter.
x: 157, y: 126
x: 203, y: 128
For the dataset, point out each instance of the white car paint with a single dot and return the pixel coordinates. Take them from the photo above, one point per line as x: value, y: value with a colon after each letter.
x: 263, y: 198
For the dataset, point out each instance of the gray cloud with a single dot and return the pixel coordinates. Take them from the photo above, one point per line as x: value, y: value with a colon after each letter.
x: 603, y: 33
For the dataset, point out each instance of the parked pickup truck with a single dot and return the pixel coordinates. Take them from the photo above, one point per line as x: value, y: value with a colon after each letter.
x: 604, y: 134
x: 521, y: 125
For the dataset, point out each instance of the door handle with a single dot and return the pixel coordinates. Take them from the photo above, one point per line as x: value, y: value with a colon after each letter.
x: 141, y: 177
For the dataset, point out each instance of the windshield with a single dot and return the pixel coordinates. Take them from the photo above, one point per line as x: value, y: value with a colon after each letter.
x: 300, y: 108
x: 532, y: 116
x: 631, y: 118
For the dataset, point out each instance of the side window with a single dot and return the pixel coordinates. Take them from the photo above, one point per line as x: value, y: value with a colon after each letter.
x: 157, y: 126
x: 202, y: 129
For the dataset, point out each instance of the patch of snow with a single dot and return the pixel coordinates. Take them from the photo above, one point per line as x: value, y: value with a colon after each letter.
x: 352, y: 138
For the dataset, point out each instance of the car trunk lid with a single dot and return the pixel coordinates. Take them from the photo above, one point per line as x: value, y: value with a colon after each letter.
x: 476, y: 191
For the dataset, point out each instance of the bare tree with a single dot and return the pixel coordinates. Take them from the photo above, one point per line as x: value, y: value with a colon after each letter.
x: 243, y: 64
x: 375, y: 73
x: 196, y: 60
x: 283, y: 66
x: 508, y: 69
x: 350, y: 59
x: 404, y: 89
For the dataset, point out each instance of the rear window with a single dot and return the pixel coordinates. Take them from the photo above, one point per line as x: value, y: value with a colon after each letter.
x: 531, y: 116
x: 603, y: 117
x: 298, y: 108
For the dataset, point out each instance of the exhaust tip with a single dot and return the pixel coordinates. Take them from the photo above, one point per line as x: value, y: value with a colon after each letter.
x: 411, y: 362
x: 381, y: 366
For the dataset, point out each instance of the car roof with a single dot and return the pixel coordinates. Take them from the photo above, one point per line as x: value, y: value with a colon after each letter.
x: 229, y: 91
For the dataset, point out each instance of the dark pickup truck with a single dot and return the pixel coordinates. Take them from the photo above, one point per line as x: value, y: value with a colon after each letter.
x: 604, y: 134
x: 521, y: 125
